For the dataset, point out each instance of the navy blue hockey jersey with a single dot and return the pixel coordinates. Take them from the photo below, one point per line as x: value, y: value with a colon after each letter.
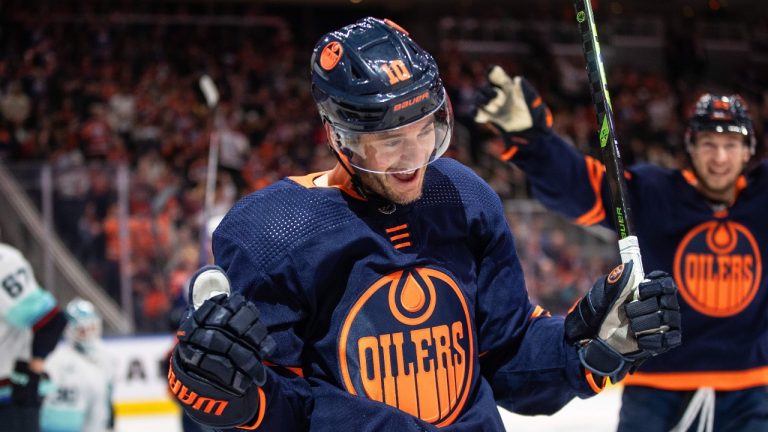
x: 406, y: 318
x: 715, y: 257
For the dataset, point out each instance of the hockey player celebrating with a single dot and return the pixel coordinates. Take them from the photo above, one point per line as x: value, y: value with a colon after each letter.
x: 386, y: 294
x: 82, y: 375
x: 30, y: 327
x: 704, y: 225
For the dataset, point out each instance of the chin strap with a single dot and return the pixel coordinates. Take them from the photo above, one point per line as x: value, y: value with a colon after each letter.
x: 382, y: 204
x: 357, y: 182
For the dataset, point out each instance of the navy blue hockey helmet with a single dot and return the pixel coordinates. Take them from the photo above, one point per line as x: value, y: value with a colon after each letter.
x: 721, y: 114
x: 370, y: 80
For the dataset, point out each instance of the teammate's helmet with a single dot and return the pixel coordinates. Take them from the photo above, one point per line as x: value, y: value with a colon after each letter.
x: 369, y: 80
x: 84, y: 327
x: 721, y: 114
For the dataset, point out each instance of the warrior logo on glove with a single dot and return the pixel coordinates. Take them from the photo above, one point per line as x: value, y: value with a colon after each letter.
x: 216, y: 367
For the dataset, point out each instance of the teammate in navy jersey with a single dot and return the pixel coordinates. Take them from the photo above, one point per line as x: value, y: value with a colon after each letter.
x: 385, y: 294
x: 705, y: 225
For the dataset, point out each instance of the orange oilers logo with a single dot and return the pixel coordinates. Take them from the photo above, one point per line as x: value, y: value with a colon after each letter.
x: 718, y: 268
x: 408, y: 342
x: 331, y: 55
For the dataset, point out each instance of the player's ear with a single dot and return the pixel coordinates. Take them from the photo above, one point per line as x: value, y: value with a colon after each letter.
x: 688, y: 141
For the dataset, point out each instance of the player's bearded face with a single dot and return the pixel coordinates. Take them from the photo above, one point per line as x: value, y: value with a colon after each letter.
x: 392, y: 154
x: 718, y: 159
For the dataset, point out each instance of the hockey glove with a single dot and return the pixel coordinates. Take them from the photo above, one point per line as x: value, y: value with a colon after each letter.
x: 513, y: 107
x: 616, y: 333
x: 27, y: 387
x: 216, y: 368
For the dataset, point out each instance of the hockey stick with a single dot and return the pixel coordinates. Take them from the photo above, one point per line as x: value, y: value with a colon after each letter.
x: 211, y: 94
x: 609, y: 146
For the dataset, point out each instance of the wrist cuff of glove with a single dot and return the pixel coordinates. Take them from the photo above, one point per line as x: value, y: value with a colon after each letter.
x: 601, y: 359
x: 210, y: 405
x: 577, y: 323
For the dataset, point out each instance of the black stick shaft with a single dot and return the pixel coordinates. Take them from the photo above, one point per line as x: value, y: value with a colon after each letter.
x: 609, y: 146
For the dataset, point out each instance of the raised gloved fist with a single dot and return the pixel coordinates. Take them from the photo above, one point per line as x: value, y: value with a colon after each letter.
x: 616, y: 332
x: 513, y: 107
x: 218, y: 357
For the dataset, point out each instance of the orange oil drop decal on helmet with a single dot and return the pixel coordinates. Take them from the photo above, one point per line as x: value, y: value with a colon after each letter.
x: 331, y: 55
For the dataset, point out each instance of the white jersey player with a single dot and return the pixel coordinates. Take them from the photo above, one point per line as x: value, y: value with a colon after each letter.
x: 82, y: 376
x: 30, y: 326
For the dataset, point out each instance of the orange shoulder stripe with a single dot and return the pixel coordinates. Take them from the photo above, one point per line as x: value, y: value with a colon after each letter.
x: 741, y: 183
x: 308, y: 181
x: 539, y: 311
x: 690, y: 177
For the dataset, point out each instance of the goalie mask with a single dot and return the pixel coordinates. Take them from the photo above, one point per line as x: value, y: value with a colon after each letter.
x: 84, y: 327
x: 721, y: 114
x: 381, y: 98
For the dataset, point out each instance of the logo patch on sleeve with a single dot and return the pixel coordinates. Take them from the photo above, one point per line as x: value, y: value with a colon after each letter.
x: 718, y: 268
x: 408, y: 342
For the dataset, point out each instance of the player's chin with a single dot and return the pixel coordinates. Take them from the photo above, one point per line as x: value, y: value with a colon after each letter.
x: 405, y: 198
x: 721, y: 182
x: 405, y: 188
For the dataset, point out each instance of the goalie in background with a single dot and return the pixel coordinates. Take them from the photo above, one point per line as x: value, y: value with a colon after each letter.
x: 82, y: 374
x: 30, y: 326
x: 704, y: 225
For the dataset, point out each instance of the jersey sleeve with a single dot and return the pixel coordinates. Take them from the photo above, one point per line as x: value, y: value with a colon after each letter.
x: 565, y: 180
x: 523, y: 353
x: 285, y: 401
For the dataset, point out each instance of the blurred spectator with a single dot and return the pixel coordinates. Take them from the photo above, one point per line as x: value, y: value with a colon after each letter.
x: 15, y: 105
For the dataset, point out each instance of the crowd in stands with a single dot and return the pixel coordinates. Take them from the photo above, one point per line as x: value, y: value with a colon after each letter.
x: 86, y: 97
